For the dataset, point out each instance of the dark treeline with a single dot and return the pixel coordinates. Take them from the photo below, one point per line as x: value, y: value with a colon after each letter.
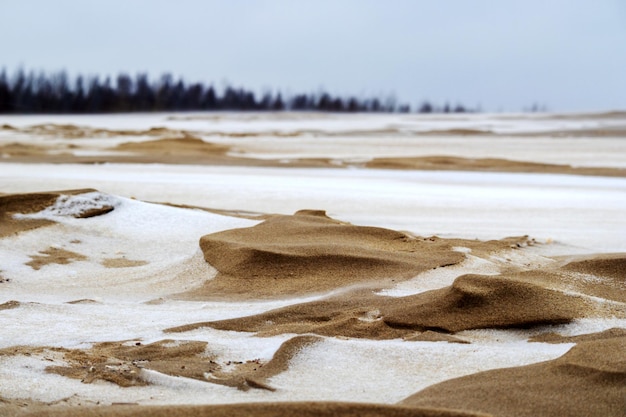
x: 27, y: 92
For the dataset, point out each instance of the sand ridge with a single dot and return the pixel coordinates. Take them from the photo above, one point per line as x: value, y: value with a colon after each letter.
x: 588, y: 380
x: 472, y: 302
x: 267, y: 409
x: 453, y: 163
x: 311, y: 253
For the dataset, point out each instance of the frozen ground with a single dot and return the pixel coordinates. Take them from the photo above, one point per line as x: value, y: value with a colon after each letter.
x: 569, y: 214
x: 585, y: 212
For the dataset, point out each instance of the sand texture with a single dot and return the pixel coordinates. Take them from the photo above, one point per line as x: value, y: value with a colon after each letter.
x: 310, y: 252
x: 309, y: 264
x: 590, y: 380
x: 312, y: 409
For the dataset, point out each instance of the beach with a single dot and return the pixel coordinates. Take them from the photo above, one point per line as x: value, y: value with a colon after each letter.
x: 313, y: 264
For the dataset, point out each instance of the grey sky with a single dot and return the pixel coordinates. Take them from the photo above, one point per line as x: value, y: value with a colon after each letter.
x: 502, y: 54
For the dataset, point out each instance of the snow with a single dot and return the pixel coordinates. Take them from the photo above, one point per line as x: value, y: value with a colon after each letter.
x: 580, y: 211
x: 567, y: 214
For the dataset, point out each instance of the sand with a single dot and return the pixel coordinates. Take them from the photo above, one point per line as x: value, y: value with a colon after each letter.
x: 449, y: 163
x: 266, y: 304
x: 590, y: 380
x: 256, y: 410
x: 310, y: 252
x: 84, y: 144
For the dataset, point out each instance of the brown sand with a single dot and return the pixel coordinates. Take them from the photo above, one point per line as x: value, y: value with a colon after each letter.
x: 601, y: 276
x: 287, y: 251
x: 186, y: 146
x: 472, y: 302
x: 269, y: 409
x: 69, y: 131
x: 609, y: 272
x: 478, y: 301
x: 589, y: 380
x: 11, y: 204
x: 431, y: 336
x: 453, y: 163
x: 54, y: 256
x: 122, y: 263
x: 21, y: 150
x: 349, y: 315
x: 122, y: 363
x: 310, y: 253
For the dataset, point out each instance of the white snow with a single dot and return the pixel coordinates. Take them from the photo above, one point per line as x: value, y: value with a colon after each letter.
x: 567, y: 214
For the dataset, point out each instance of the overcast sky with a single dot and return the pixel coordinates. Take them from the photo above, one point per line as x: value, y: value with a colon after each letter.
x: 501, y: 54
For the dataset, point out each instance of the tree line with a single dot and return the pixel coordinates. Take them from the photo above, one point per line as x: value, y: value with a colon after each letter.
x: 29, y: 93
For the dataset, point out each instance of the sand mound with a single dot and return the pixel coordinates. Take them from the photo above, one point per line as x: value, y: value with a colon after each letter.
x: 472, y: 302
x: 602, y: 276
x: 54, y: 255
x: 430, y: 336
x: 21, y: 149
x: 310, y: 252
x: 589, y: 380
x: 185, y: 146
x: 453, y: 163
x: 478, y: 301
x: 10, y: 305
x: 351, y: 315
x: 269, y: 409
x: 125, y: 363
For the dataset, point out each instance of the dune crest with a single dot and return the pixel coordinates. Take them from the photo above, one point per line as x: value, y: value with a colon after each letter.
x: 185, y: 146
x: 477, y: 301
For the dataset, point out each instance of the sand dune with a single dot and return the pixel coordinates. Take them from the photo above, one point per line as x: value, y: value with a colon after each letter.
x: 187, y: 146
x: 310, y: 252
x: 590, y: 380
x: 472, y: 302
x: 476, y: 301
x: 305, y: 409
x: 451, y: 163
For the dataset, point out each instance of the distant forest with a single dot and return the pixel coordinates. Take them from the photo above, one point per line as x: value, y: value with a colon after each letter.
x: 28, y: 93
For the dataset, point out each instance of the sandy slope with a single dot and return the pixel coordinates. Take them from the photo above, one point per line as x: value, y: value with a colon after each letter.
x: 307, y: 291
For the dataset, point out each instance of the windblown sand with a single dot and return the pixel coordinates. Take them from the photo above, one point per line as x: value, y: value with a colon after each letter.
x: 115, y: 306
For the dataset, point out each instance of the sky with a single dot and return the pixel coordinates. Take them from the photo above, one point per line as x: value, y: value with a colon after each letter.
x: 501, y: 55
